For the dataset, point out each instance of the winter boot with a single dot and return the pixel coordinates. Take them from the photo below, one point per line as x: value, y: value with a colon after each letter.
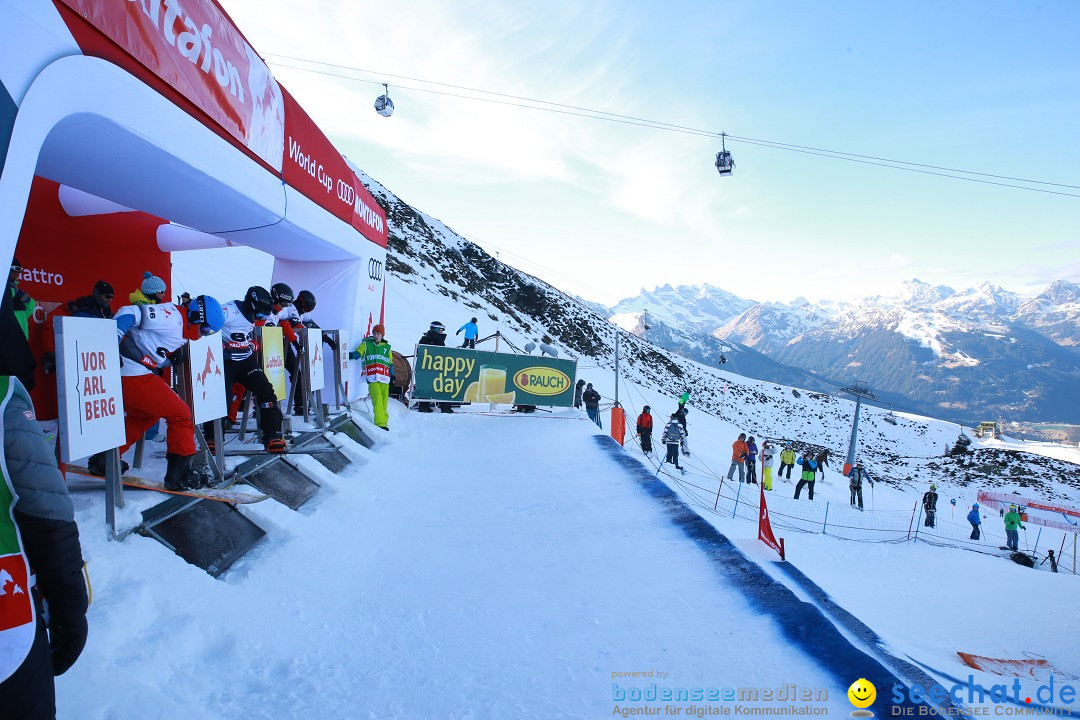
x: 95, y: 465
x: 179, y: 475
x: 275, y: 445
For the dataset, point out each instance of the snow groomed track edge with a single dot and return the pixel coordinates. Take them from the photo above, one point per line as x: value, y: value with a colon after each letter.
x: 802, y: 623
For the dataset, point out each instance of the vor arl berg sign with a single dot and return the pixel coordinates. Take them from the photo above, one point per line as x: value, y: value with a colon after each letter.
x: 464, y: 375
x: 89, y: 394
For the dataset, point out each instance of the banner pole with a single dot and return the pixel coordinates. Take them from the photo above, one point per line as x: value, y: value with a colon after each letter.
x: 114, y: 492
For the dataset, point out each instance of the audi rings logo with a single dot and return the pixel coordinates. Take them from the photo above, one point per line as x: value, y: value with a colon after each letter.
x: 346, y: 192
x: 374, y: 269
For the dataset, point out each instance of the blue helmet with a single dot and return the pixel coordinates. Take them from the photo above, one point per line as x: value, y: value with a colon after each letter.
x: 206, y: 312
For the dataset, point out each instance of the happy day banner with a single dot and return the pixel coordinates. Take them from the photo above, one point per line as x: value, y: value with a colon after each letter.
x: 463, y: 375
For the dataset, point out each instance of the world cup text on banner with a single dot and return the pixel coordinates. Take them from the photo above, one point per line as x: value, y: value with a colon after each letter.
x: 272, y: 344
x: 207, y: 379
x: 314, y: 348
x: 88, y: 377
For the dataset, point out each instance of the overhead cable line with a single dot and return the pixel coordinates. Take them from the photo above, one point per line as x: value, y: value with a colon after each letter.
x: 579, y: 111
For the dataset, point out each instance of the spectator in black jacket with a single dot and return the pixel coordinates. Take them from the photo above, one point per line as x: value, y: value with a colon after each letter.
x: 929, y: 503
x: 592, y: 404
x: 578, y: 389
x: 45, y: 518
x: 436, y: 335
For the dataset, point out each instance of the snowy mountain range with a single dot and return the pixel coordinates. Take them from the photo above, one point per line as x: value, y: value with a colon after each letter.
x: 978, y: 353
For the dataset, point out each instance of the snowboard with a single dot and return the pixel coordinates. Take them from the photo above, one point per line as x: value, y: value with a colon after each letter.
x: 208, y: 493
x: 251, y: 452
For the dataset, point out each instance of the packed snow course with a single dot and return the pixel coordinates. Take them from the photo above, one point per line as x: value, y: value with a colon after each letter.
x: 475, y: 566
x: 482, y: 565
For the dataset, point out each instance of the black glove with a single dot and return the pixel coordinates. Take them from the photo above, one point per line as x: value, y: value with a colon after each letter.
x: 298, y: 348
x: 179, y: 355
x: 48, y: 363
x: 21, y: 299
x: 67, y: 638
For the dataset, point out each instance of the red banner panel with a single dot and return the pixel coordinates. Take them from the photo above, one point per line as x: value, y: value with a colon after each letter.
x: 196, y: 49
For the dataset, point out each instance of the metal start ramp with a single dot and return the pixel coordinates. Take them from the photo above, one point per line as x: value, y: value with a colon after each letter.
x: 271, y: 475
x: 209, y: 535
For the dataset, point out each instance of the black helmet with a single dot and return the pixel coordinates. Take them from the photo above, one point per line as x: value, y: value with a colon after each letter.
x: 305, y: 301
x: 646, y: 409
x: 258, y: 301
x: 281, y: 294
x: 438, y: 327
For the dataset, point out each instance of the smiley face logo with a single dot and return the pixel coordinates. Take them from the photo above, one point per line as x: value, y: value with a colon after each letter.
x: 862, y: 693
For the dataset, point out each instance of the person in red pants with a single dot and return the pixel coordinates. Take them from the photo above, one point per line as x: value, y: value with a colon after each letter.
x: 152, y: 337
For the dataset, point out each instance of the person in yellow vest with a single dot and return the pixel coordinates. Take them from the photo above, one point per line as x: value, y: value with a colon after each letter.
x: 375, y: 354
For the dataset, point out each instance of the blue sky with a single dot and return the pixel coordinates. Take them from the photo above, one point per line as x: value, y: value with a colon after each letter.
x: 602, y: 209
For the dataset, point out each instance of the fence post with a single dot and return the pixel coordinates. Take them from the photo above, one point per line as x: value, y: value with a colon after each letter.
x: 826, y: 522
x: 917, y: 520
x: 1037, y: 538
x: 715, y: 504
x: 737, y: 494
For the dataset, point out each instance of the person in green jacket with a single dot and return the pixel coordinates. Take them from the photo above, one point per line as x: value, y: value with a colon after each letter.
x: 378, y: 360
x: 1012, y: 522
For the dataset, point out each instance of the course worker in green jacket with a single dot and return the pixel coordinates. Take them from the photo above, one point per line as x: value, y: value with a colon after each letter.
x: 1012, y: 522
x: 378, y: 360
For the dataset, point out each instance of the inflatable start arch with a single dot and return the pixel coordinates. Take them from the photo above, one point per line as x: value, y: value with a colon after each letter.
x: 133, y: 129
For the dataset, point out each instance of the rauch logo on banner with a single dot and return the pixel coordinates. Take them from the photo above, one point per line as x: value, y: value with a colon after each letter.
x: 542, y: 381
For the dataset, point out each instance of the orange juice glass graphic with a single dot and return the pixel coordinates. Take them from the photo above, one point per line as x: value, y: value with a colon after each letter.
x: 492, y: 381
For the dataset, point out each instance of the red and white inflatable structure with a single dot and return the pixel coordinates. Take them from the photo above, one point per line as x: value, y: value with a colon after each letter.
x: 132, y: 129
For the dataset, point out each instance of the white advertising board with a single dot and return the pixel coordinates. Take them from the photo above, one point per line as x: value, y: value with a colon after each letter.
x: 207, y: 373
x: 335, y: 370
x: 314, y: 347
x: 91, y: 401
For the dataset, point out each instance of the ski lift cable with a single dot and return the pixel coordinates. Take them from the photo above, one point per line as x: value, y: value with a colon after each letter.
x: 764, y: 143
x: 841, y: 156
x: 645, y: 122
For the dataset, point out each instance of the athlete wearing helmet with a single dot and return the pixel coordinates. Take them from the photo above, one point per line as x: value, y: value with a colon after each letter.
x: 281, y: 294
x: 242, y: 364
x: 151, y: 338
x: 305, y: 301
x: 287, y: 318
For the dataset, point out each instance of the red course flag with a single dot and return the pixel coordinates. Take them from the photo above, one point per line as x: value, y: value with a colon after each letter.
x: 764, y: 532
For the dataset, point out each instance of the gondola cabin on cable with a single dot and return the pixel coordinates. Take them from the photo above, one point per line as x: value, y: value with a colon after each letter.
x: 383, y: 104
x: 724, y: 162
